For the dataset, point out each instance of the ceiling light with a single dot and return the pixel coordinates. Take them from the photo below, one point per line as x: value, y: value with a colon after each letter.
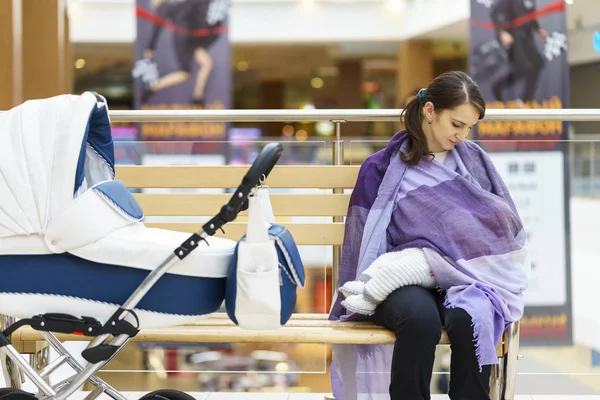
x: 317, y: 83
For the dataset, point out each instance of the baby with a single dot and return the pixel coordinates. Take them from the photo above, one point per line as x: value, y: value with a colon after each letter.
x: 387, y: 273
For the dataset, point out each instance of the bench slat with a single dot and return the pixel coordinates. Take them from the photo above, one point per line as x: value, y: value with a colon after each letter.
x: 230, y: 176
x: 217, y: 328
x: 234, y: 334
x: 330, y: 233
x: 322, y: 334
x: 302, y: 205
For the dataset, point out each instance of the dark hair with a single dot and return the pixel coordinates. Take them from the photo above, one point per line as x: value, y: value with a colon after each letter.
x: 446, y: 91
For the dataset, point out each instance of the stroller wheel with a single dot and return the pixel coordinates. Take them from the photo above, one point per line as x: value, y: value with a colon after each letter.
x: 165, y: 394
x: 15, y: 394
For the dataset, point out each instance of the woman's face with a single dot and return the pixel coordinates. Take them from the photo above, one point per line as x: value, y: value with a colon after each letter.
x: 448, y: 127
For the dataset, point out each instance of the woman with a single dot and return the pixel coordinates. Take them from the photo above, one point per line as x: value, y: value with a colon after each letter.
x: 436, y: 196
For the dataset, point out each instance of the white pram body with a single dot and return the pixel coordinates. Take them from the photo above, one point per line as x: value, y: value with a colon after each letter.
x: 72, y: 243
x: 71, y: 237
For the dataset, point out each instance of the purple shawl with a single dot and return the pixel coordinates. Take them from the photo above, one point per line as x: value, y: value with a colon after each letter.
x: 463, y: 217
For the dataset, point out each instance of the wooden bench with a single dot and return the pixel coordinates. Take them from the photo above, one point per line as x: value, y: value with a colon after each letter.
x: 302, y: 328
x: 327, y: 201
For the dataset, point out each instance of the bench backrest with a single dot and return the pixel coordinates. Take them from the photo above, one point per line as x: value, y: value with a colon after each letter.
x: 322, y: 202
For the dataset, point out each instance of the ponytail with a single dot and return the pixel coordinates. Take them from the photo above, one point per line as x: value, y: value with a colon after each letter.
x: 413, y: 120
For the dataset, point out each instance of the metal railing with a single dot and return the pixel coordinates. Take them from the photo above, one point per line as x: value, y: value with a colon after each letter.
x: 384, y: 115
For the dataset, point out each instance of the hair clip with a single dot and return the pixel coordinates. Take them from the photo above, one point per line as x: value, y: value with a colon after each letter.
x: 421, y: 96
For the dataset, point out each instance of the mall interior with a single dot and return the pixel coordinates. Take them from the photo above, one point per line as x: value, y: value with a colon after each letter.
x: 321, y: 55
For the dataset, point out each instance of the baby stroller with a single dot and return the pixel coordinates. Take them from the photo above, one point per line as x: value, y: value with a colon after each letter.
x: 76, y: 258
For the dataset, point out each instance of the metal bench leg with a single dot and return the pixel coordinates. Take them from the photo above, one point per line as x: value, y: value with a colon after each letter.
x: 509, y: 364
x: 495, y: 381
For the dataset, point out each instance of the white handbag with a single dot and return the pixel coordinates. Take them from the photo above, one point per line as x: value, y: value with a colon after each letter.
x: 265, y: 271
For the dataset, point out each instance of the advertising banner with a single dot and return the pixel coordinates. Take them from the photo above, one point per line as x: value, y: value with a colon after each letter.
x: 518, y: 56
x: 182, y: 62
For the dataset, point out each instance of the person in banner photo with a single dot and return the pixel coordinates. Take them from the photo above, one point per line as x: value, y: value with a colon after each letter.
x: 195, y: 25
x: 517, y: 35
x: 513, y: 61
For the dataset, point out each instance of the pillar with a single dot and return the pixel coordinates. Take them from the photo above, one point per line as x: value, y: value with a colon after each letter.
x: 10, y: 54
x: 349, y: 93
x: 44, y: 48
x: 272, y: 98
x: 68, y: 57
x: 415, y: 69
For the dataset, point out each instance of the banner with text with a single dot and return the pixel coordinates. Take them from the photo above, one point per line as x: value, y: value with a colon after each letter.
x: 518, y: 56
x: 182, y: 62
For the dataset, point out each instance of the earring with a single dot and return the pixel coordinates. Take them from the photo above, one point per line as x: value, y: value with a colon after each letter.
x: 429, y: 121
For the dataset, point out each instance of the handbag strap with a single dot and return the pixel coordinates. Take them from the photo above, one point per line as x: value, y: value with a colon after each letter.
x: 258, y: 228
x: 265, y: 200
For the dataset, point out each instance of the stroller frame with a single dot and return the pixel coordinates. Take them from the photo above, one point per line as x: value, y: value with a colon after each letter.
x: 97, y: 353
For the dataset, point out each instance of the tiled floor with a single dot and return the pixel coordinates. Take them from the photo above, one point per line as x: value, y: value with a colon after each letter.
x: 314, y: 396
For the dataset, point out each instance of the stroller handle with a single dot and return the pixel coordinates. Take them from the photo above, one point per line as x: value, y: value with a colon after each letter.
x: 263, y: 164
x: 260, y: 169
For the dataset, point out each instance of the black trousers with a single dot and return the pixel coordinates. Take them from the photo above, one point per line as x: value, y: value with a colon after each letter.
x: 417, y: 316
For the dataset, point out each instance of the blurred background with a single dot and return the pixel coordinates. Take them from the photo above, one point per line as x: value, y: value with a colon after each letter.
x: 340, y: 54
